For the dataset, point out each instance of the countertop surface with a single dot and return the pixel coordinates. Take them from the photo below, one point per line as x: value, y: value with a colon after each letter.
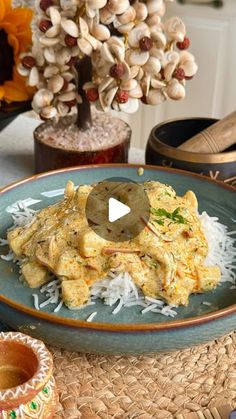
x: 16, y: 150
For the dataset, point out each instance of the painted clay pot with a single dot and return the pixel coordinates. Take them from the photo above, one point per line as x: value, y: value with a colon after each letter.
x: 27, y: 387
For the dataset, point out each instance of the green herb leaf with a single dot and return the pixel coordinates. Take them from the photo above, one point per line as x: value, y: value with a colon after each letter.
x: 160, y: 222
x: 174, y: 216
x: 154, y: 264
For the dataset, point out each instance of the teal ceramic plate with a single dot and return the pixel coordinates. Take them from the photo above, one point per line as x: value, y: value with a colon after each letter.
x: 129, y: 331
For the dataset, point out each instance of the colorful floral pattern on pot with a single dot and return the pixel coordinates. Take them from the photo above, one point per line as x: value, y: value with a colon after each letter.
x: 27, y: 386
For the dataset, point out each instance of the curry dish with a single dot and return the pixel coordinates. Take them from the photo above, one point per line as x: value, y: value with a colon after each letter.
x: 166, y: 260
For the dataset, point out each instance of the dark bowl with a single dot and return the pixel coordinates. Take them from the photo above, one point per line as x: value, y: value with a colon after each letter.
x: 166, y: 137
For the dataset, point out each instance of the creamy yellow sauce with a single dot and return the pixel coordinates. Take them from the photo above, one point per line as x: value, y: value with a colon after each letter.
x: 166, y: 260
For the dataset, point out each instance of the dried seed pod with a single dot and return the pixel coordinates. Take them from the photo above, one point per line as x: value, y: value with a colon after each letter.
x: 42, y: 98
x: 128, y: 84
x: 153, y: 66
x: 106, y: 16
x: 159, y: 39
x: 106, y: 53
x: 175, y: 29
x: 48, y: 112
x: 131, y: 50
x: 107, y: 82
x: 22, y: 70
x: 28, y: 62
x: 154, y: 6
x: 138, y: 58
x: 110, y: 96
x: 56, y: 83
x: 101, y: 32
x: 70, y: 27
x: 96, y: 4
x: 33, y: 77
x: 141, y: 11
x: 85, y: 46
x: 49, y: 42
x: 53, y: 31
x: 54, y: 16
x: 128, y: 16
x: 136, y: 92
x: 50, y: 71
x: 62, y: 108
x: 169, y: 70
x: 190, y: 68
x: 130, y: 107
x: 153, y: 21
x: 67, y: 97
x: 124, y: 29
x: 175, y: 90
x: 135, y: 35
x: 158, y: 53
x: 118, y: 6
x: 155, y: 97
x: 44, y: 25
x: 49, y: 55
x: 83, y: 28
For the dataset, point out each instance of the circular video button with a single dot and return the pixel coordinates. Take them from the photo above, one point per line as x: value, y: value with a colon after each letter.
x: 117, y: 209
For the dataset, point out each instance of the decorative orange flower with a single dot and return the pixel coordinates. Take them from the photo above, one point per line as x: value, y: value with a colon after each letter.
x: 15, y: 38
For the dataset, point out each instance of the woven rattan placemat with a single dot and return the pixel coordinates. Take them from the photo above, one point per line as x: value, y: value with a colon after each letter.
x: 144, y: 387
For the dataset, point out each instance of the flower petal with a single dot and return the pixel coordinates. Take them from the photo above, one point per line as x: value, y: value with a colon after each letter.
x: 17, y: 24
x: 1, y: 93
x: 20, y: 17
x: 13, y: 41
x: 2, y: 9
x: 12, y: 92
x: 25, y: 39
x: 8, y: 6
x: 8, y: 27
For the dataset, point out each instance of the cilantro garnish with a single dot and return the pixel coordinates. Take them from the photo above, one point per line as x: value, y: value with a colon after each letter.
x: 174, y: 216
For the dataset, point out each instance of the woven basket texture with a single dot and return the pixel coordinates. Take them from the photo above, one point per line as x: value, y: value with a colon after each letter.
x: 145, y: 387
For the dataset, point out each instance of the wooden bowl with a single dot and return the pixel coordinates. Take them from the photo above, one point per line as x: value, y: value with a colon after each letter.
x: 166, y: 137
x: 27, y: 387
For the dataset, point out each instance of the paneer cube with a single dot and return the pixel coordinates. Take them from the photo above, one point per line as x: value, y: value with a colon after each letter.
x: 75, y: 293
x: 208, y: 277
x: 90, y: 244
x: 34, y: 274
x: 19, y: 236
x: 191, y: 198
x: 70, y: 265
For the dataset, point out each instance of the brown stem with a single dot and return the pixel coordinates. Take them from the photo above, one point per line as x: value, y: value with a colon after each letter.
x: 84, y: 69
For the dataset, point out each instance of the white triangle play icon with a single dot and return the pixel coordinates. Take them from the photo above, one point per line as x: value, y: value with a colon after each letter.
x: 117, y: 210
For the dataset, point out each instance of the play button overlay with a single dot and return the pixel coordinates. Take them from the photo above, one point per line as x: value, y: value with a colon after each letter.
x: 117, y: 209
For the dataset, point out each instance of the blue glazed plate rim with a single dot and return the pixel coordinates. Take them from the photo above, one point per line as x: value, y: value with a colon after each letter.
x: 173, y: 324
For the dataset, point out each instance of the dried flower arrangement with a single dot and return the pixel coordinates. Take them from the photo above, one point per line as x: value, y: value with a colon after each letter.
x: 15, y: 38
x: 111, y: 53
